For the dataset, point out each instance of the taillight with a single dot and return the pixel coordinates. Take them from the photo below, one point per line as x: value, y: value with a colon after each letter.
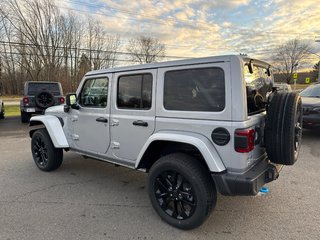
x: 25, y: 100
x: 244, y: 140
x: 61, y: 100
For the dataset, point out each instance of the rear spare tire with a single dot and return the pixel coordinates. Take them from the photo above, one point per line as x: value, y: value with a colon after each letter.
x: 44, y: 99
x: 283, y: 128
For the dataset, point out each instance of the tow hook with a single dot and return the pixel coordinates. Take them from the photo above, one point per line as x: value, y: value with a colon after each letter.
x: 271, y: 173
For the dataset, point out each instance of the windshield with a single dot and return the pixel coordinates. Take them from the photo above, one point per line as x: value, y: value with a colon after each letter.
x: 35, y: 88
x: 259, y: 86
x: 311, y: 91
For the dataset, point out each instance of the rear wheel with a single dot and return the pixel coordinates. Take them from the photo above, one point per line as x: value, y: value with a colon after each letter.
x: 181, y: 190
x: 25, y: 117
x: 284, y: 128
x: 2, y: 112
x: 45, y: 155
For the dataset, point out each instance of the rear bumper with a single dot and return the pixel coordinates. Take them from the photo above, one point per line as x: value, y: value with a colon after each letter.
x: 249, y: 182
x: 33, y: 110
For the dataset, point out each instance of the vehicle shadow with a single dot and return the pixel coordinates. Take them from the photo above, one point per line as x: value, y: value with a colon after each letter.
x: 311, y: 134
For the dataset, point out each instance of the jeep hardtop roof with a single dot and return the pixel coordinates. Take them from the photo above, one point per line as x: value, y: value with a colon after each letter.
x: 191, y: 61
x: 41, y: 82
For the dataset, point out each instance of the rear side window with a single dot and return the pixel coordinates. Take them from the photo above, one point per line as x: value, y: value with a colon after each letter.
x: 36, y: 88
x: 135, y: 91
x: 200, y: 89
x: 258, y: 87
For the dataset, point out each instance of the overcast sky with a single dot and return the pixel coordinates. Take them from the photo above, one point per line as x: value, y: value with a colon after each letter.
x: 194, y: 28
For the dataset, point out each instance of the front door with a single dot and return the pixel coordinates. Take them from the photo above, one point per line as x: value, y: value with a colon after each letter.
x: 133, y: 113
x: 91, y: 121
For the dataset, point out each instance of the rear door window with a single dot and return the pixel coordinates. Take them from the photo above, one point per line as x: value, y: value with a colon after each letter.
x: 135, y: 92
x: 258, y: 87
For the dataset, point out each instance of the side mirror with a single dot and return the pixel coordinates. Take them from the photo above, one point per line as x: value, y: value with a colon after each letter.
x: 71, y: 102
x: 71, y: 99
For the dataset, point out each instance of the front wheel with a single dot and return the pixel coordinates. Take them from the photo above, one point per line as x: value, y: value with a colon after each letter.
x: 45, y: 155
x: 181, y: 190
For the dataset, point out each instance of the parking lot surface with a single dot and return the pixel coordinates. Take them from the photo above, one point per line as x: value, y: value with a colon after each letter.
x: 88, y: 199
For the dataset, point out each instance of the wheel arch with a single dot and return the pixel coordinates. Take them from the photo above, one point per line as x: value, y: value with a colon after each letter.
x: 164, y: 143
x: 54, y: 127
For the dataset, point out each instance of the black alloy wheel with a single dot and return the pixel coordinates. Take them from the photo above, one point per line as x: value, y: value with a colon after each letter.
x: 44, y: 99
x: 298, y: 130
x: 45, y: 155
x: 175, y: 195
x: 40, y: 151
x: 181, y: 190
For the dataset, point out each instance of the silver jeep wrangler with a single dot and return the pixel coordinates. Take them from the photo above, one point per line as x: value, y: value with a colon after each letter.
x: 197, y: 126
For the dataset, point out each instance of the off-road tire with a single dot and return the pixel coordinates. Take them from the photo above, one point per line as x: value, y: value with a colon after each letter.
x: 202, y: 189
x: 25, y: 117
x: 2, y: 112
x: 284, y: 128
x: 44, y: 99
x: 45, y: 155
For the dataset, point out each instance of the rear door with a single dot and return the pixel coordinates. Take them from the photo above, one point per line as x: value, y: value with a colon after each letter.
x: 132, y: 113
x: 90, y: 122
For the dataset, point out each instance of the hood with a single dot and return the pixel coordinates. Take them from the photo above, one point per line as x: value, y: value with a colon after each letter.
x: 55, y: 109
x: 310, y: 101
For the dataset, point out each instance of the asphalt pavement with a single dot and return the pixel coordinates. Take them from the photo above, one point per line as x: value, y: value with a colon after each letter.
x: 88, y: 199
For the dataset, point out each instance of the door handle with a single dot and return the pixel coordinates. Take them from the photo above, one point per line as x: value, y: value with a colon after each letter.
x: 140, y: 123
x: 102, y: 119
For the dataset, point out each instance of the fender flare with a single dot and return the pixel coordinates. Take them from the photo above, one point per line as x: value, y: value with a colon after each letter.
x: 199, y: 141
x: 54, y: 128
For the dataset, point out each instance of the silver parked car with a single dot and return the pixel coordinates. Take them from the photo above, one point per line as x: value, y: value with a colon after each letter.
x: 197, y: 126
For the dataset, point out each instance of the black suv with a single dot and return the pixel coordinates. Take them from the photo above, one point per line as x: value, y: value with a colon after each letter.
x: 38, y: 96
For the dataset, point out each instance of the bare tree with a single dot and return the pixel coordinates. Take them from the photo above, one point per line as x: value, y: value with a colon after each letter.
x: 73, y: 31
x: 39, y: 24
x: 146, y: 49
x: 38, y: 42
x: 289, y: 56
x: 102, y: 48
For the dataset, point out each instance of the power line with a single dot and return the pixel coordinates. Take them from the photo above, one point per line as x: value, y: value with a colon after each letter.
x: 80, y: 49
x: 70, y: 57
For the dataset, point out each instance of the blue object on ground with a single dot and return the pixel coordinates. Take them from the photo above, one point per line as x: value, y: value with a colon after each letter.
x: 264, y: 190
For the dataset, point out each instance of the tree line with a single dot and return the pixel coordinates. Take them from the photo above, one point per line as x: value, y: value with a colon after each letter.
x: 39, y: 42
